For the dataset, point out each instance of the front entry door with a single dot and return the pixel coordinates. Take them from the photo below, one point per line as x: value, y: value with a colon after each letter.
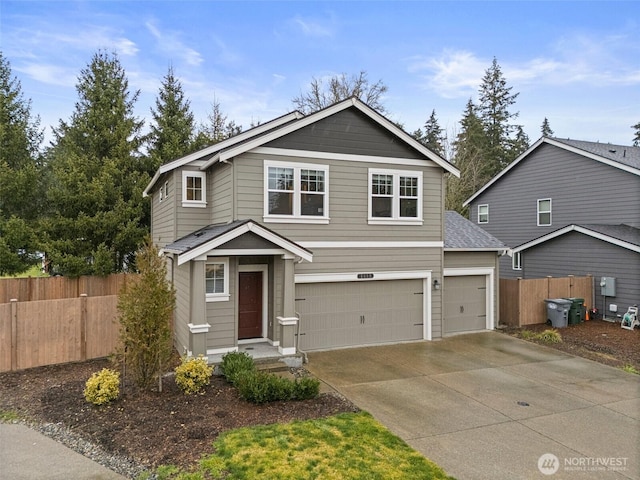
x: 250, y: 305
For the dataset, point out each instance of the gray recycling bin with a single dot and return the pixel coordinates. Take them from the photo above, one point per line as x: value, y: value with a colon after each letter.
x: 558, y: 311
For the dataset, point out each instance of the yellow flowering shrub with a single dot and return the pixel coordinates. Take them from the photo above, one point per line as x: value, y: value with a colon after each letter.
x: 193, y: 374
x: 102, y: 387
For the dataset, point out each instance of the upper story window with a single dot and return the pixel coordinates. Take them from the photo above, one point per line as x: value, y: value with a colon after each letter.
x: 296, y: 192
x: 164, y: 191
x: 217, y: 280
x: 194, y: 189
x: 544, y: 212
x: 395, y: 197
x: 483, y: 213
x: 516, y: 261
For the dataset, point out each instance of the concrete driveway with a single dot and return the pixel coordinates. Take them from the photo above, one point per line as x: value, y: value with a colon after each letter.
x: 489, y: 406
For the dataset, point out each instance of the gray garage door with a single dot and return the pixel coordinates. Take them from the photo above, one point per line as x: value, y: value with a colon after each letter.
x: 334, y: 315
x: 465, y: 304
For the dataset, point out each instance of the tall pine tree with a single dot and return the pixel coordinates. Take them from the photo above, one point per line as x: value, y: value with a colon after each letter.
x: 21, y: 174
x: 433, y: 137
x: 172, y: 126
x: 218, y: 127
x: 546, y: 128
x: 470, y: 148
x: 636, y: 138
x: 495, y: 101
x: 98, y: 216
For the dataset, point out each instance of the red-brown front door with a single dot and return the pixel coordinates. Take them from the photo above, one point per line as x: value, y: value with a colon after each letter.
x: 250, y: 305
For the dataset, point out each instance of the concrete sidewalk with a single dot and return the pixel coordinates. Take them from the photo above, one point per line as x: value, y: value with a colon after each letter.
x: 489, y: 406
x: 28, y: 455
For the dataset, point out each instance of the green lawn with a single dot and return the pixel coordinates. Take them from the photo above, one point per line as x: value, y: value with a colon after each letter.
x: 32, y: 272
x: 345, y: 446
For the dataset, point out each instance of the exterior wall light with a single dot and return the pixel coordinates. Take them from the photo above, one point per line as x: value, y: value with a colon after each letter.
x: 436, y: 284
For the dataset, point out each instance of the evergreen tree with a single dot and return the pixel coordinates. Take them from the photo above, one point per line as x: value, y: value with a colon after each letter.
x: 636, y: 138
x: 495, y: 100
x: 546, y: 128
x: 338, y: 88
x: 98, y: 176
x: 520, y: 143
x: 146, y: 311
x: 433, y: 137
x: 21, y: 175
x: 173, y: 126
x: 470, y: 147
x: 217, y: 128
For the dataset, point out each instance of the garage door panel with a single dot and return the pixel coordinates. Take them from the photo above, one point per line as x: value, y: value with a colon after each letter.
x: 465, y: 304
x: 361, y: 313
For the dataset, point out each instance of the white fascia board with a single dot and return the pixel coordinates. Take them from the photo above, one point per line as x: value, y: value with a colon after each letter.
x: 462, y: 271
x: 241, y: 230
x: 284, y: 152
x: 577, y: 228
x: 372, y: 244
x: 484, y: 249
x: 218, y: 146
x: 505, y: 170
x: 353, y: 276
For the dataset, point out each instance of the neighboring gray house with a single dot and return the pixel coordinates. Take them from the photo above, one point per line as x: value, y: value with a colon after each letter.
x: 312, y: 232
x: 568, y: 207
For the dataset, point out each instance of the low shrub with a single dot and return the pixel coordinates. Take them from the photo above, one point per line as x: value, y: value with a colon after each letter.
x: 193, y: 374
x: 527, y: 334
x: 235, y: 364
x: 102, y: 387
x: 306, y: 388
x: 549, y: 336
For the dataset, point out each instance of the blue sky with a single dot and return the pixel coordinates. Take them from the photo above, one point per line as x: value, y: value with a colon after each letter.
x: 576, y: 63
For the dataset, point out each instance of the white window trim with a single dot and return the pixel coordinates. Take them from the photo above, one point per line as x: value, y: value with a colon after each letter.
x: 395, y: 218
x: 224, y: 296
x: 297, y: 217
x: 194, y: 203
x: 516, y: 261
x: 539, y: 212
x: 480, y: 206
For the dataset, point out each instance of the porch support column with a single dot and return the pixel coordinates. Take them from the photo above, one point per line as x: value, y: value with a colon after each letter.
x: 288, y: 322
x: 198, y: 327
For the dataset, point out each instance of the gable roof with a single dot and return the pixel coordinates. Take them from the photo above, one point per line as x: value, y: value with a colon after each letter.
x: 623, y: 157
x: 462, y: 234
x: 624, y: 236
x: 258, y: 136
x: 210, y: 237
x: 211, y: 150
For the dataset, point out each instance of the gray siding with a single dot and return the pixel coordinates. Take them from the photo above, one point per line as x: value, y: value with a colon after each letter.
x: 222, y: 316
x: 582, y: 191
x: 574, y: 254
x: 163, y: 213
x: 220, y: 185
x: 349, y: 131
x: 181, y: 279
x: 348, y: 202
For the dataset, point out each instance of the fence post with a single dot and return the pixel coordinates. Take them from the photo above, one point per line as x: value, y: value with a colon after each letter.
x: 83, y: 326
x: 14, y: 334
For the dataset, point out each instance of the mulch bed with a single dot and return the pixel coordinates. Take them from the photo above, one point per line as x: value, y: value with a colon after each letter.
x: 598, y: 340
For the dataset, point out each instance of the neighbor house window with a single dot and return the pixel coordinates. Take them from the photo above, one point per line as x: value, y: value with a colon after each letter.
x: 164, y: 191
x: 483, y: 213
x: 296, y: 192
x: 516, y: 261
x: 395, y: 196
x: 544, y: 212
x: 217, y: 280
x: 194, y: 189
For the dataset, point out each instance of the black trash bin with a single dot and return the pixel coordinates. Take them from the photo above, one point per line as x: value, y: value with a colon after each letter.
x: 558, y: 311
x: 577, y: 312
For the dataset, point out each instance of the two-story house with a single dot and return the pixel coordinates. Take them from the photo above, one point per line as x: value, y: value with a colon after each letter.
x: 316, y: 232
x: 569, y: 207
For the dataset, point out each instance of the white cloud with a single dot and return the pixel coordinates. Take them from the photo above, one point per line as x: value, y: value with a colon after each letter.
x: 313, y: 28
x: 170, y: 43
x: 49, y: 74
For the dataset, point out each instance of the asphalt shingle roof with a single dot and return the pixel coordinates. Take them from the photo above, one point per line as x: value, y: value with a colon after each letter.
x: 462, y: 233
x: 623, y: 154
x: 625, y: 233
x: 202, y: 236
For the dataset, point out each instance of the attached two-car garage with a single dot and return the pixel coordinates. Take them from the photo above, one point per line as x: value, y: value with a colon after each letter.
x: 344, y: 314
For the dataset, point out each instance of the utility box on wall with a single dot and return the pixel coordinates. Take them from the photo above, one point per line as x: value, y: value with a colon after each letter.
x: 608, y: 286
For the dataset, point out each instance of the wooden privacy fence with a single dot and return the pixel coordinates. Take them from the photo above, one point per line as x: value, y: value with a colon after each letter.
x: 522, y: 300
x: 53, y: 288
x: 46, y: 332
